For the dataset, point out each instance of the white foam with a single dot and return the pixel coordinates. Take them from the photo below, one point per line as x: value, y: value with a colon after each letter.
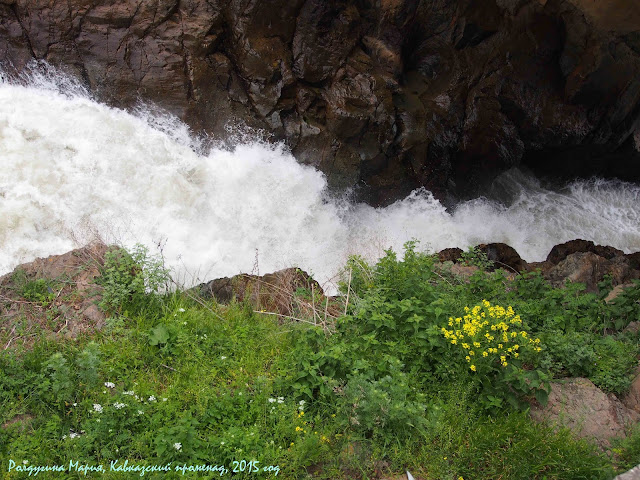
x: 73, y: 169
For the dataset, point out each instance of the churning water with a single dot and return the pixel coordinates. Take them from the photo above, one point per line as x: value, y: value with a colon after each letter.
x: 73, y: 169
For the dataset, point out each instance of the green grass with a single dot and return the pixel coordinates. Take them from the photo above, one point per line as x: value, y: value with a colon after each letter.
x: 195, y: 383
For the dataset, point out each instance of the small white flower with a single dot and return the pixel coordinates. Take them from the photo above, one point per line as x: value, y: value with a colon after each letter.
x: 184, y: 323
x: 119, y: 405
x: 25, y: 462
x: 205, y: 335
x: 177, y: 446
x: 128, y: 392
x: 223, y: 357
x: 109, y: 384
x: 181, y: 310
x: 140, y: 412
x: 271, y: 400
x: 301, y: 405
x: 152, y: 398
x: 164, y: 399
x: 63, y: 437
x: 221, y: 443
x: 110, y: 430
x: 75, y: 404
x: 104, y: 391
x: 97, y: 407
x: 280, y: 399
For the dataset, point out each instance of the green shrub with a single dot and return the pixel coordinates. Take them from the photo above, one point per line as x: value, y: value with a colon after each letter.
x: 131, y: 281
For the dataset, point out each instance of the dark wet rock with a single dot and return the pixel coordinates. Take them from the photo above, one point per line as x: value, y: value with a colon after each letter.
x: 563, y: 250
x: 503, y: 256
x: 388, y: 96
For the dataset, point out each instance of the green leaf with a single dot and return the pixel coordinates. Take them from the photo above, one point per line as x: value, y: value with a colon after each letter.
x: 542, y: 396
x: 159, y: 335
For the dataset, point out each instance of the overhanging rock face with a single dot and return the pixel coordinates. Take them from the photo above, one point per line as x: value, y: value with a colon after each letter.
x: 385, y: 95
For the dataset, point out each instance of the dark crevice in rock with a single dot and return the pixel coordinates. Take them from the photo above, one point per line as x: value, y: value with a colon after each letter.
x: 14, y: 9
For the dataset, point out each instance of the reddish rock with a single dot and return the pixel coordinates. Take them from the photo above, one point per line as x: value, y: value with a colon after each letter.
x: 450, y: 254
x: 587, y: 411
x: 71, y: 311
x: 589, y: 268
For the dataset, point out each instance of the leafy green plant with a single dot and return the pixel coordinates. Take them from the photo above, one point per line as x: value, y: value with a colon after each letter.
x: 476, y: 258
x: 495, y: 347
x: 60, y: 379
x: 88, y: 363
x: 131, y: 280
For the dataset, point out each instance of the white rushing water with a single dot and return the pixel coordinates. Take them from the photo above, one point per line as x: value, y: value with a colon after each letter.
x: 74, y: 170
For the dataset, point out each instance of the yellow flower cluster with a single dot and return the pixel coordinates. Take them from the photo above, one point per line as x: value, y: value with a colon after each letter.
x: 489, y: 332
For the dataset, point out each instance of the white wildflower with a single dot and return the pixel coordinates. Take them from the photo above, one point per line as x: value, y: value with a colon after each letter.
x: 152, y: 398
x: 25, y: 462
x: 164, y: 399
x: 109, y: 384
x: 140, y: 412
x: 271, y: 400
x: 97, y: 407
x: 280, y: 399
x: 223, y: 357
x: 181, y: 310
x: 177, y: 446
x: 119, y: 405
x: 128, y: 392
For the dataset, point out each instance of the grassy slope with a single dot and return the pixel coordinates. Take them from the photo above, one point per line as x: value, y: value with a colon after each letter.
x: 197, y: 383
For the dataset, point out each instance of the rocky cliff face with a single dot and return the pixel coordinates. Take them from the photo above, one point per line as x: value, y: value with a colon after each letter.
x: 386, y: 94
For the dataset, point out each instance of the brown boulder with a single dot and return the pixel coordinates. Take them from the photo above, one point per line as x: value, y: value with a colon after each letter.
x: 54, y: 295
x: 589, y: 268
x: 288, y: 292
x: 587, y: 411
x: 450, y: 254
